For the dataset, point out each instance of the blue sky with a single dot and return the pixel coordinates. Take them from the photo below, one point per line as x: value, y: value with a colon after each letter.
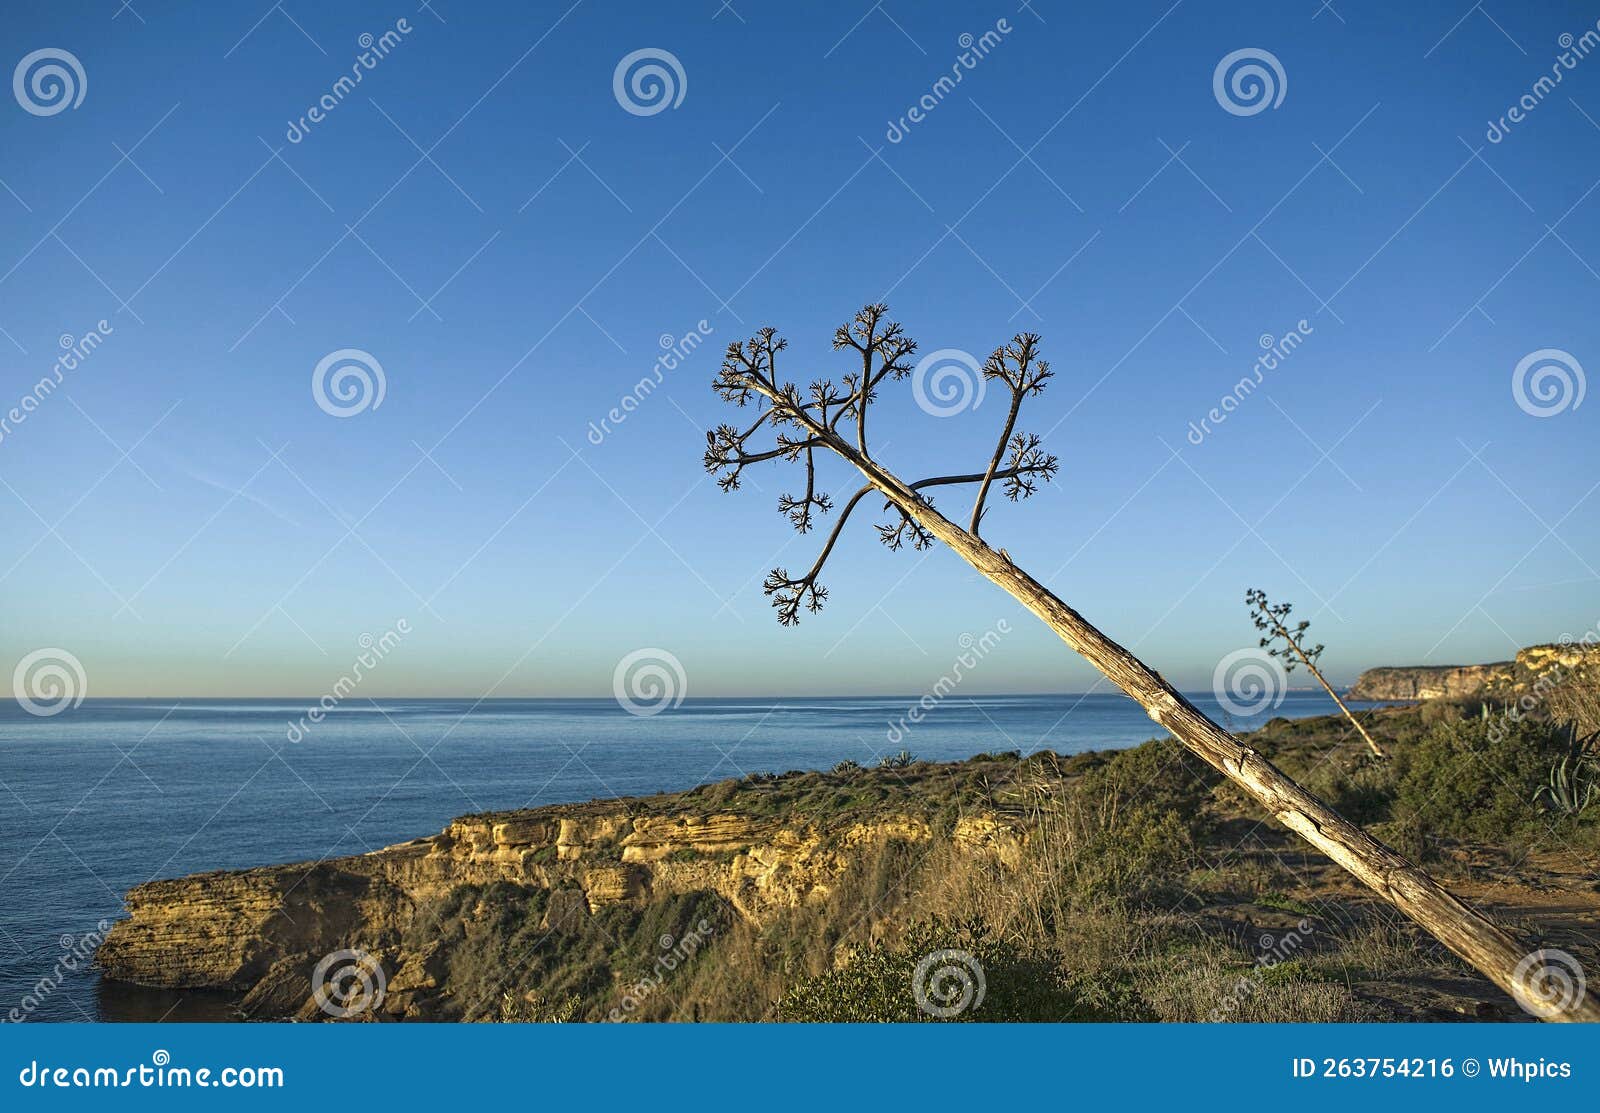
x: 1083, y: 181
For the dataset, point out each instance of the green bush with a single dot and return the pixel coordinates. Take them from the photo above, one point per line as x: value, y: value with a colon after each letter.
x: 503, y: 962
x: 1361, y: 789
x: 1161, y: 775
x: 879, y: 983
x: 1136, y: 821
x: 1480, y: 779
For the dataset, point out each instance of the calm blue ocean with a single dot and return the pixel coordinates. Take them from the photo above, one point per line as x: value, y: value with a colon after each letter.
x: 116, y: 792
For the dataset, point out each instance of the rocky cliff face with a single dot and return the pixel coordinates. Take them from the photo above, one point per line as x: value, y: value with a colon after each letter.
x: 1429, y: 681
x: 261, y: 932
x: 1502, y: 678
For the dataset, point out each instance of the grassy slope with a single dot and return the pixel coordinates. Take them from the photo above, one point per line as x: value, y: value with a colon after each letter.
x: 1149, y: 889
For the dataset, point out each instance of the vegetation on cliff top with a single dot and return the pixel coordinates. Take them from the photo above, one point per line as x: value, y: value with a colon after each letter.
x: 1145, y: 890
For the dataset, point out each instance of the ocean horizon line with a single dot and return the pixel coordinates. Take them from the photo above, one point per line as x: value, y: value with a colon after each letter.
x: 364, y: 701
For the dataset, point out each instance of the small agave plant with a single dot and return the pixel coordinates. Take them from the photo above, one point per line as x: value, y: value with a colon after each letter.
x: 1574, y: 785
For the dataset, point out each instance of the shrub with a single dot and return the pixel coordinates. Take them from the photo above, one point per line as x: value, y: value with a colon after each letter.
x: 1135, y: 820
x: 1479, y: 779
x: 1208, y: 983
x: 1361, y: 790
x: 879, y: 984
x: 502, y: 963
x: 1441, y: 711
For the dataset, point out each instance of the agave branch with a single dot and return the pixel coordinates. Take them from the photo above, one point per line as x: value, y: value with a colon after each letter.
x: 803, y: 427
x: 883, y: 347
x: 1274, y: 619
x: 1019, y: 367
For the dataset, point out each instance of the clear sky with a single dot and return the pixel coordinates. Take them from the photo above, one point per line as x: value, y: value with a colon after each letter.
x: 485, y: 217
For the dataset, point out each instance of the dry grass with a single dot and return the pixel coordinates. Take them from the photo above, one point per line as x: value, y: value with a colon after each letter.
x: 1201, y: 984
x: 1577, y: 701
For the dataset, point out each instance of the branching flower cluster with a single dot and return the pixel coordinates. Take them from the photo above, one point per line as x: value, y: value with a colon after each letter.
x: 1274, y: 619
x: 826, y: 417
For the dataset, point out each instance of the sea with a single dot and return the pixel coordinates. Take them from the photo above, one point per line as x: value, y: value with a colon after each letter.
x: 112, y: 793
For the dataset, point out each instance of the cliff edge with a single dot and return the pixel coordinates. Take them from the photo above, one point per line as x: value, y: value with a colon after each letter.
x: 758, y: 848
x: 1501, y: 678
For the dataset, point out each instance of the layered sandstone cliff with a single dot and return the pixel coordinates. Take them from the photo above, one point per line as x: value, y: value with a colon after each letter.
x: 1501, y: 678
x: 1419, y: 682
x: 261, y: 932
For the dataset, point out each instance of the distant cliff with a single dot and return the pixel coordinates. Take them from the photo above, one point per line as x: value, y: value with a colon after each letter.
x: 1501, y: 678
x: 1416, y: 682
